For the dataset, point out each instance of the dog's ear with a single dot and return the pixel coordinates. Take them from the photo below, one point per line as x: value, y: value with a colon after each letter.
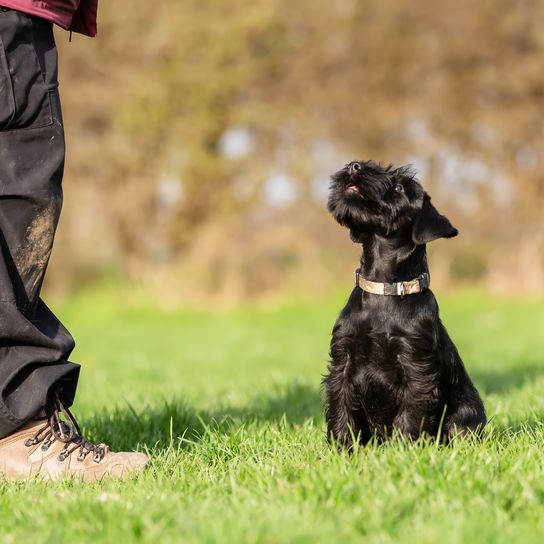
x: 430, y: 225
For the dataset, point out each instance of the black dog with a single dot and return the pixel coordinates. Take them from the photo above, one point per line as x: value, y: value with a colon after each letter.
x: 393, y: 365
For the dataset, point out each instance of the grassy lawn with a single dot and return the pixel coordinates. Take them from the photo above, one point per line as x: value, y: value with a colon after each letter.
x: 228, y: 405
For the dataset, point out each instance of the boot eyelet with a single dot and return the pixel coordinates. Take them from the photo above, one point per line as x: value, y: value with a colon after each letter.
x: 63, y: 455
x: 97, y: 458
x: 81, y: 458
x: 46, y: 445
x: 30, y: 442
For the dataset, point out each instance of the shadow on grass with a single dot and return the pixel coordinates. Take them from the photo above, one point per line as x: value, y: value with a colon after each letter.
x: 507, y: 380
x: 529, y: 426
x: 162, y: 424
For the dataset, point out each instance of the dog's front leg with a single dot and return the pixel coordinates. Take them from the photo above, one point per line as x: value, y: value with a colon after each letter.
x: 346, y: 420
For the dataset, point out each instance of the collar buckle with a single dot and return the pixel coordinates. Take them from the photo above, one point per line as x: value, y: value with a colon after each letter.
x: 424, y: 281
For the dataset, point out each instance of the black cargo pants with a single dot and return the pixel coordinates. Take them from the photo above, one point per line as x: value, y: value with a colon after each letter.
x: 34, y: 345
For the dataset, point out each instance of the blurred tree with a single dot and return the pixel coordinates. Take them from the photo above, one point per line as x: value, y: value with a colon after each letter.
x: 185, y: 110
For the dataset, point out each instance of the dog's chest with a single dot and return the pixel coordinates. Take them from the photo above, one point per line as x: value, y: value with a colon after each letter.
x: 397, y: 375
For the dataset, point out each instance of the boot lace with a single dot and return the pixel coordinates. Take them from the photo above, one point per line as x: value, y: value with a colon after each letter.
x: 62, y: 426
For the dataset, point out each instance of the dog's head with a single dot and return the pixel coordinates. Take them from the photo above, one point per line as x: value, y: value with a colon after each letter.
x: 369, y: 198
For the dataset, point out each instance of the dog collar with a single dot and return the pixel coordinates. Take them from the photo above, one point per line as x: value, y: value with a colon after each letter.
x: 400, y: 288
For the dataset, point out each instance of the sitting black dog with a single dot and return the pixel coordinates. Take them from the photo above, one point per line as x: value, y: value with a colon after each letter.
x: 393, y: 365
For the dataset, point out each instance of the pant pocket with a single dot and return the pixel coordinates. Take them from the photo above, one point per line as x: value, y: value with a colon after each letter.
x: 7, y: 99
x: 29, y: 100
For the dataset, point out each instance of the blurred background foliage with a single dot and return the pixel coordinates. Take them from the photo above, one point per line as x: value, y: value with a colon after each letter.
x: 201, y: 135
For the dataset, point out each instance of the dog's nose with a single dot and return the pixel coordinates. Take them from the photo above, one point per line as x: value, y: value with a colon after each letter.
x: 354, y: 166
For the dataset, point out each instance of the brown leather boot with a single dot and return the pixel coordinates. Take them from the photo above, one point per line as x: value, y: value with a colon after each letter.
x: 52, y: 448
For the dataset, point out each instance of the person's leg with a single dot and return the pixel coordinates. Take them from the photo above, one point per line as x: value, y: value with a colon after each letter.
x: 34, y: 346
x: 38, y: 434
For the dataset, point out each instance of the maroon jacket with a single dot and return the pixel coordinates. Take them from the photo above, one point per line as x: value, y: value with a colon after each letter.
x: 74, y: 15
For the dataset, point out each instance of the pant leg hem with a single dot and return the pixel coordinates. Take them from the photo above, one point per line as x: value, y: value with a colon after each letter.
x: 66, y: 374
x: 8, y: 422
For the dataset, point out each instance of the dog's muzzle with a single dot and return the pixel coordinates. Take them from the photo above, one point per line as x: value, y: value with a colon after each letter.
x: 400, y: 288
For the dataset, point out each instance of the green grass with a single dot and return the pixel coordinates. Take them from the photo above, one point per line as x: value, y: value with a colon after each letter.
x: 228, y: 405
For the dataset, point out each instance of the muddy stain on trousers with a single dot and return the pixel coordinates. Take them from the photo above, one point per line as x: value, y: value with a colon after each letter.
x: 34, y: 345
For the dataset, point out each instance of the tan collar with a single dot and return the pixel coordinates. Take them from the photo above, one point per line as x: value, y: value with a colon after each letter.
x: 400, y: 288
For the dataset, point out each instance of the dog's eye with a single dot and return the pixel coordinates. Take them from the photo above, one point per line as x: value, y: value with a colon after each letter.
x: 398, y: 188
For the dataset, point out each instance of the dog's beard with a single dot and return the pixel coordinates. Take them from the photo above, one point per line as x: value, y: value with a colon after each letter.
x: 351, y: 206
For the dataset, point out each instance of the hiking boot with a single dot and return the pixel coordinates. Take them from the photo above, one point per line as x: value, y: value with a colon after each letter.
x: 52, y: 447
